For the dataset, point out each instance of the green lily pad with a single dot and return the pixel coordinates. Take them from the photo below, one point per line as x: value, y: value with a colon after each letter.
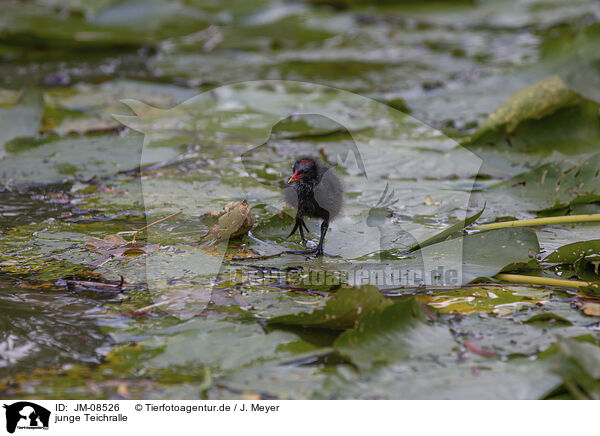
x: 548, y: 319
x: 277, y: 225
x: 22, y: 119
x: 221, y: 344
x: 269, y: 381
x: 485, y: 254
x: 191, y: 322
x: 557, y: 184
x: 575, y: 251
x: 340, y: 311
x: 120, y: 24
x: 393, y: 333
x: 539, y: 119
x: 577, y: 363
x: 512, y: 335
x: 534, y: 102
x: 494, y: 380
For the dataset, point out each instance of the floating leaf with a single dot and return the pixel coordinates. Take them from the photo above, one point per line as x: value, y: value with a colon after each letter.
x: 223, y: 344
x: 449, y: 233
x: 8, y: 97
x: 590, y: 308
x: 557, y: 185
x: 575, y: 251
x: 279, y: 224
x: 485, y: 254
x: 393, y: 333
x: 22, y: 119
x: 342, y: 310
x: 533, y: 102
x: 581, y: 205
x: 499, y: 300
x: 588, y: 271
x: 548, y: 319
x: 115, y: 245
x: 494, y: 380
x: 578, y: 364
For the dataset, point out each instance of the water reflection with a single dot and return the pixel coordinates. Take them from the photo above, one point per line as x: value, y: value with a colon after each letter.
x: 44, y: 326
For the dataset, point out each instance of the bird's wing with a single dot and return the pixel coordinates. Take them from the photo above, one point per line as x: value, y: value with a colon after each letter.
x: 329, y: 193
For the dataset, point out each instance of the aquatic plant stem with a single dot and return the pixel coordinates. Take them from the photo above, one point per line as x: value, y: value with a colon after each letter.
x: 135, y: 232
x: 539, y: 222
x: 546, y: 281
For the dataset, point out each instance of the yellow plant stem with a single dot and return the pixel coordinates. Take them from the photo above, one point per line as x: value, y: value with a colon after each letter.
x: 546, y: 281
x: 540, y: 221
x: 135, y: 232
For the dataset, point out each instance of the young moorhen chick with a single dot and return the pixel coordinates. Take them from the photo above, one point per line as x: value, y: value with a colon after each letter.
x: 315, y: 191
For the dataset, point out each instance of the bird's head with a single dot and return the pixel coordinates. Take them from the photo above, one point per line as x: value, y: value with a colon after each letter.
x: 304, y: 169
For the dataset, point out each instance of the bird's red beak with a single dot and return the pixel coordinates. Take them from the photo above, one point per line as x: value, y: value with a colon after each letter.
x: 294, y: 177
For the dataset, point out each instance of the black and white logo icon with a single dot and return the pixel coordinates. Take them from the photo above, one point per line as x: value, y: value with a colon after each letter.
x: 26, y: 415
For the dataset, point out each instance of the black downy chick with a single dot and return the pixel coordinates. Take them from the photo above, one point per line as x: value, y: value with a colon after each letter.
x: 314, y: 191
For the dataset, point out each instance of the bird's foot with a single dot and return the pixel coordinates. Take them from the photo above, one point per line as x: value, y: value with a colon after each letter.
x: 314, y: 252
x: 301, y: 252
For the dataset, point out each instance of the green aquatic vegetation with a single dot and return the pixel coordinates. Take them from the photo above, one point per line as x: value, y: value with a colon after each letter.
x: 342, y: 310
x: 394, y: 333
x: 167, y: 317
x: 532, y: 103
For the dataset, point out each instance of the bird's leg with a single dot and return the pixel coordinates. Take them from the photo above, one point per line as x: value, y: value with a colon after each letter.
x: 324, y: 227
x: 305, y: 228
x: 301, y: 228
x: 315, y: 251
x: 294, y: 229
x: 299, y: 225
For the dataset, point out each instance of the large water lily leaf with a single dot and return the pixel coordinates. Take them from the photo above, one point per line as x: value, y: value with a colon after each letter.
x: 506, y: 249
x: 523, y: 333
x: 538, y: 120
x: 40, y: 331
x: 393, y: 333
x: 221, y: 345
x: 55, y: 159
x: 556, y: 184
x: 485, y: 254
x: 129, y: 23
x: 342, y: 310
x: 522, y: 379
x: 575, y: 251
x: 534, y: 102
x: 577, y: 363
x: 21, y: 120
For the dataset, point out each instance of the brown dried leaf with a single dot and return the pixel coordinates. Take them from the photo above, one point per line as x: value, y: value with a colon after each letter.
x: 591, y: 309
x: 110, y: 241
x: 429, y: 201
x: 115, y: 245
x: 234, y: 220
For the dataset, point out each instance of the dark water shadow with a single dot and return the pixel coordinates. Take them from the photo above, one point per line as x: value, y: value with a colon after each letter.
x: 42, y: 327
